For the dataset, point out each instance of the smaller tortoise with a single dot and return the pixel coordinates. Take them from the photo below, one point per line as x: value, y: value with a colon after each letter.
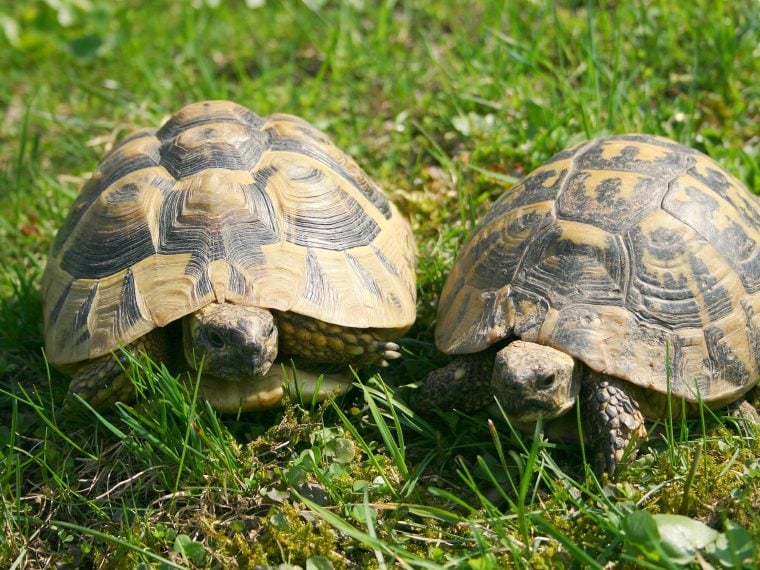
x: 221, y: 240
x: 624, y: 269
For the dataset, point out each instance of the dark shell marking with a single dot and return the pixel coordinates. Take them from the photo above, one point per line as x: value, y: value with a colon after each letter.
x: 218, y: 205
x: 632, y: 253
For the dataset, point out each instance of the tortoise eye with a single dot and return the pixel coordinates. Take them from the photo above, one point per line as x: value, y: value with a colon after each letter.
x: 215, y: 338
x: 545, y: 381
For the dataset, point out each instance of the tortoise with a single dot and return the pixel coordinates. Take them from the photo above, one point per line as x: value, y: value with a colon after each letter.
x: 222, y: 240
x: 623, y: 274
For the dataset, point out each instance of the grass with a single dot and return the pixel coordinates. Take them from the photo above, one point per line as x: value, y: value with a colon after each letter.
x: 445, y: 105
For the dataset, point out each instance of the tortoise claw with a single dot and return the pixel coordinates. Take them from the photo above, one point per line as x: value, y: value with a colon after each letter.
x: 389, y: 351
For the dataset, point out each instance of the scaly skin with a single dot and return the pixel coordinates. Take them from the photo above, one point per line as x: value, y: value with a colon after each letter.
x: 531, y: 381
x: 463, y: 384
x: 102, y: 382
x: 614, y: 420
x: 317, y: 341
x: 237, y: 346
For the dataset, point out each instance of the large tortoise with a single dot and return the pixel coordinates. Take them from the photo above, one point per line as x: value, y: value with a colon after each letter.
x: 624, y: 269
x: 224, y: 239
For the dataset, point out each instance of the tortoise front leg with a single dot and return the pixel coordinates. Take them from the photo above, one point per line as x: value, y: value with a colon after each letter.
x: 463, y: 384
x: 614, y: 420
x: 317, y: 341
x: 101, y: 382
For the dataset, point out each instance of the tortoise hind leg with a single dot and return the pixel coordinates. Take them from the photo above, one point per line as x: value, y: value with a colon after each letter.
x: 614, y: 420
x: 317, y: 341
x: 102, y: 381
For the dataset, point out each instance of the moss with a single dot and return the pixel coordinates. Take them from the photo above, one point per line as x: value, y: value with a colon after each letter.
x: 720, y: 482
x: 285, y: 534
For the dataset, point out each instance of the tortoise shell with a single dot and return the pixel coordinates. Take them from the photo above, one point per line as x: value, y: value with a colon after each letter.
x: 222, y: 205
x: 634, y: 254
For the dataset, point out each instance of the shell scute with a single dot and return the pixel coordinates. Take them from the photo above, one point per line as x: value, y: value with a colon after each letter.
x: 609, y: 199
x: 643, y: 264
x: 729, y: 219
x: 220, y: 205
x: 227, y: 146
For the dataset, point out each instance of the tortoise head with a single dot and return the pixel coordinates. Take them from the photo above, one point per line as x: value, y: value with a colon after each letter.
x: 533, y: 381
x: 233, y: 342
